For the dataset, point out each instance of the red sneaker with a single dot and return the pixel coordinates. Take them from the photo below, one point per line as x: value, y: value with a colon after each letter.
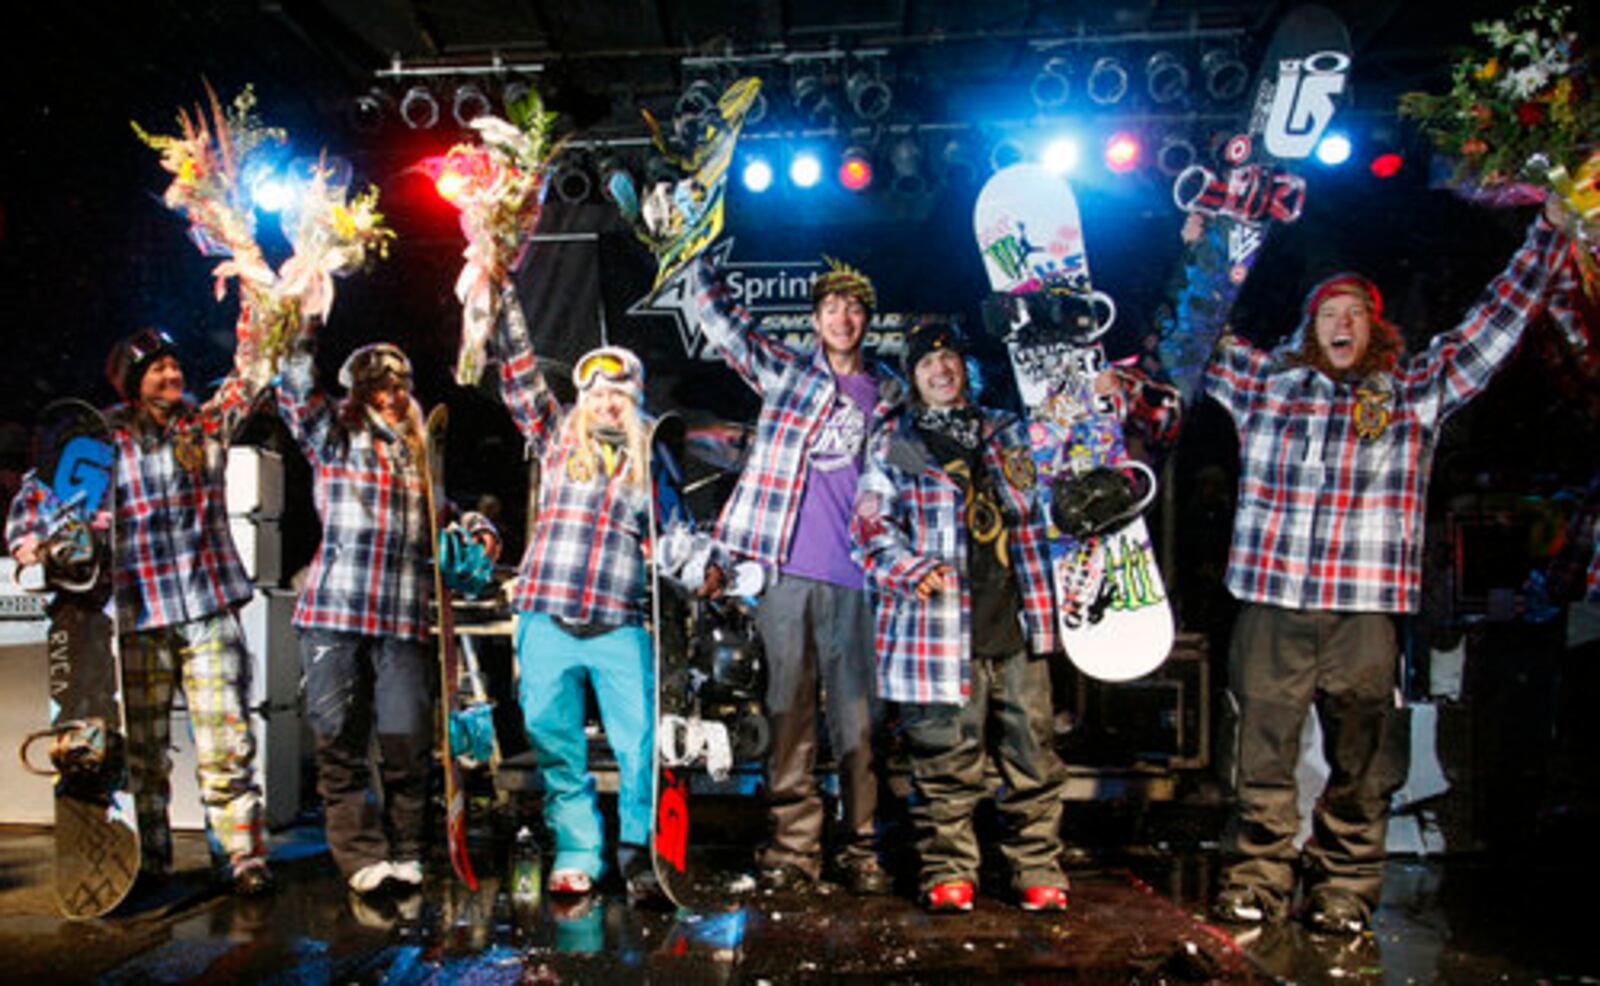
x: 1044, y: 898
x: 949, y: 896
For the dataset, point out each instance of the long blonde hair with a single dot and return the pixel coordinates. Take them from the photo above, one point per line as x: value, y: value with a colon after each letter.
x: 575, y: 436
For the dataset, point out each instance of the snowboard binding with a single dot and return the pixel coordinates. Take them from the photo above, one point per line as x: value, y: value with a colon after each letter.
x: 83, y: 752
x: 1024, y: 318
x: 1101, y: 500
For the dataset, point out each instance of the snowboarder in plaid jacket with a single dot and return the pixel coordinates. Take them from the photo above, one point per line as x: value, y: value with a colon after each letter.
x: 582, y: 600
x: 790, y: 511
x: 178, y: 583
x: 948, y: 530
x: 1337, y: 431
x: 363, y: 614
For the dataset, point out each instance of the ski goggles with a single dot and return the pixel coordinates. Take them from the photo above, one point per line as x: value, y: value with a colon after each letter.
x: 609, y: 365
x: 146, y: 344
x: 132, y: 356
x: 375, y: 364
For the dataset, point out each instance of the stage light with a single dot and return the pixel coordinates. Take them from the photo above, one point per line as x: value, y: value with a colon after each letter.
x: 758, y: 109
x: 1334, y: 149
x: 1122, y: 153
x: 1005, y: 153
x: 419, y: 109
x: 810, y: 96
x: 1061, y: 155
x: 869, y: 95
x: 1050, y: 88
x: 697, y: 100
x: 271, y: 192
x: 571, y: 182
x: 757, y: 174
x: 370, y: 110
x: 468, y: 103
x: 855, y: 169
x: 450, y: 184
x: 805, y: 169
x: 959, y: 168
x: 514, y: 92
x: 1387, y: 165
x: 905, y: 161
x: 1226, y: 76
x: 1108, y: 81
x: 1174, y: 155
x: 1165, y: 78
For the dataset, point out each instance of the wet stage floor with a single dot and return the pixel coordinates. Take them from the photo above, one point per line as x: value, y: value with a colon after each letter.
x: 1135, y: 918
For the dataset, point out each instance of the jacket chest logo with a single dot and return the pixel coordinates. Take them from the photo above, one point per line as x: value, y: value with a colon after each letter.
x: 1372, y: 412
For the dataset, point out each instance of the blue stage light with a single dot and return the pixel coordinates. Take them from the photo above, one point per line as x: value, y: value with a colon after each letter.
x: 757, y: 175
x: 1334, y: 149
x: 271, y: 192
x: 805, y: 170
x: 1061, y: 155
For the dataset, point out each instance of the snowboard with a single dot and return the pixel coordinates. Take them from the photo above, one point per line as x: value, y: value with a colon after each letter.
x: 96, y: 830
x: 1114, y: 619
x: 455, y: 799
x: 707, y: 696
x: 1302, y: 75
x: 678, y: 219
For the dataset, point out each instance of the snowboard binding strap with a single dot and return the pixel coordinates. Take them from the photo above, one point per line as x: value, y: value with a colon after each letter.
x: 685, y: 741
x: 78, y: 747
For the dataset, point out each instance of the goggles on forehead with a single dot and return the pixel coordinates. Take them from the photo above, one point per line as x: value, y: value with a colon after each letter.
x: 375, y: 364
x: 609, y: 365
x: 146, y: 343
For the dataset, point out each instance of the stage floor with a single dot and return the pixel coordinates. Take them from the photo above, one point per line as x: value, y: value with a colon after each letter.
x: 1136, y: 916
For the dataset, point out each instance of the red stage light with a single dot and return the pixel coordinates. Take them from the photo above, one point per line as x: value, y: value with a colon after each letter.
x: 450, y: 185
x: 1387, y: 165
x: 855, y: 172
x: 1122, y: 153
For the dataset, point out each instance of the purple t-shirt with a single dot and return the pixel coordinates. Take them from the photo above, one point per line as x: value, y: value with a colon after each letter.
x: 820, y: 548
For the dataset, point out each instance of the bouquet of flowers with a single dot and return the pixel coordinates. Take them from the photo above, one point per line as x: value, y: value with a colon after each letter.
x: 498, y: 184
x: 330, y: 233
x: 1522, y: 120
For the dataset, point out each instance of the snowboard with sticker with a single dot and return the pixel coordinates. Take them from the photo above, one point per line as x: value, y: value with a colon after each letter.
x: 1303, y: 75
x: 96, y: 830
x: 680, y: 215
x: 455, y: 798
x: 1114, y: 619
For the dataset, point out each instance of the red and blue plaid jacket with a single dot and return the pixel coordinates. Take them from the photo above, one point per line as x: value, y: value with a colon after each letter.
x: 175, y: 557
x: 797, y: 390
x: 372, y: 572
x: 1329, y: 520
x: 908, y: 521
x: 586, y: 561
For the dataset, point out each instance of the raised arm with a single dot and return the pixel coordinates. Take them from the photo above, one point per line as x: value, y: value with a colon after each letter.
x: 224, y: 413
x: 1458, y: 364
x: 757, y: 358
x: 533, y: 407
x: 306, y: 412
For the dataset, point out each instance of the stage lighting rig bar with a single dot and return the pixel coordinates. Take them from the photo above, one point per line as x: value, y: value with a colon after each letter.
x: 495, y: 66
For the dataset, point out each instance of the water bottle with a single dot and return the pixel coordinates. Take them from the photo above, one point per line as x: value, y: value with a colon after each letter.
x: 527, y: 872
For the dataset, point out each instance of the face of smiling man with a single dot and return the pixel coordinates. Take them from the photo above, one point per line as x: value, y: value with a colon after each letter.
x: 941, y: 378
x: 1344, y: 329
